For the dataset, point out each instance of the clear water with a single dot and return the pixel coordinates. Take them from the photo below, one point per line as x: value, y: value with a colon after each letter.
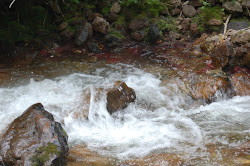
x: 161, y: 120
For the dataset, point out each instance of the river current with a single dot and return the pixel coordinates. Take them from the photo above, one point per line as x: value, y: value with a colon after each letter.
x: 162, y: 120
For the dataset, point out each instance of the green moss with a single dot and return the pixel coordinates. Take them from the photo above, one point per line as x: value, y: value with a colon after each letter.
x: 43, y: 154
x: 209, y: 13
x: 120, y: 20
x: 106, y: 9
x: 116, y: 34
x: 167, y: 24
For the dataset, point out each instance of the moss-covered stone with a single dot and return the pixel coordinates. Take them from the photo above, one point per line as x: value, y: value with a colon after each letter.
x: 43, y: 154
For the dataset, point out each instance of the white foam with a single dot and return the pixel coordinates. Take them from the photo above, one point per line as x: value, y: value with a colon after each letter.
x: 155, y: 121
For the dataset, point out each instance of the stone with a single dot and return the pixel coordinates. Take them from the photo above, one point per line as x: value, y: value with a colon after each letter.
x: 81, y: 155
x: 215, y: 22
x: 189, y: 11
x: 238, y: 25
x: 240, y: 83
x: 62, y: 26
x: 196, y: 53
x: 232, y: 7
x: 138, y: 23
x: 34, y: 138
x: 175, y: 3
x: 194, y: 28
x: 101, y: 25
x: 204, y: 87
x: 93, y: 16
x: 153, y: 33
x: 221, y: 54
x: 241, y: 37
x: 115, y: 8
x: 196, y: 3
x: 138, y: 35
x: 246, y: 4
x: 175, y: 11
x: 164, y: 11
x: 77, y: 21
x: 246, y: 60
x: 93, y: 47
x: 111, y: 41
x: 119, y: 97
x: 111, y: 17
x: 67, y: 34
x: 185, y: 24
x: 84, y: 33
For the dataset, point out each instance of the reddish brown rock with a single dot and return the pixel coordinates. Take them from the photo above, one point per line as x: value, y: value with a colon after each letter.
x: 119, y: 96
x: 215, y: 22
x: 204, y: 87
x: 81, y: 155
x: 240, y: 83
x: 34, y: 138
x: 221, y: 54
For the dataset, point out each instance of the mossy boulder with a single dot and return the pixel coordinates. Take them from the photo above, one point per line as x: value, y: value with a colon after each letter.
x: 34, y: 138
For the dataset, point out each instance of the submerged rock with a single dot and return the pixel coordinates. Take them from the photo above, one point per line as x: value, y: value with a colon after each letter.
x: 34, y: 138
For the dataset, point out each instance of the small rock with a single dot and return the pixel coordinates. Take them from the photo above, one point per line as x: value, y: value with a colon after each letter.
x: 246, y: 4
x: 176, y: 3
x: 196, y: 53
x: 241, y: 84
x: 92, y: 47
x: 175, y: 11
x: 111, y: 17
x: 221, y: 54
x: 101, y: 25
x: 153, y: 33
x: 215, y: 22
x: 67, y: 34
x: 194, y: 28
x: 189, y: 11
x: 116, y: 8
x: 93, y: 16
x: 185, y: 24
x: 77, y: 21
x: 232, y: 7
x: 138, y: 23
x: 83, y: 34
x: 62, y: 26
x: 138, y: 35
x: 241, y: 37
x: 111, y: 41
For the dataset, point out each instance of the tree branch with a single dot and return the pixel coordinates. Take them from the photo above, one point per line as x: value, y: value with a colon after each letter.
x: 12, y: 3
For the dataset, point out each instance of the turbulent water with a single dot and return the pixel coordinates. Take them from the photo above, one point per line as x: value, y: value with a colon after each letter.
x: 161, y: 120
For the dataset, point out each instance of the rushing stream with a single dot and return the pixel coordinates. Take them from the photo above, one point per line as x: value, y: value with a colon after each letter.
x: 162, y: 120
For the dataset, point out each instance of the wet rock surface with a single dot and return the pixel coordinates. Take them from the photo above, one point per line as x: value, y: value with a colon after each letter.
x: 241, y: 84
x: 34, y: 138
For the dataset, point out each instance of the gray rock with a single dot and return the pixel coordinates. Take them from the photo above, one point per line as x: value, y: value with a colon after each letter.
x: 153, y: 33
x: 92, y: 47
x: 189, y: 11
x: 116, y: 8
x: 83, y: 33
x: 232, y: 7
x: 246, y: 4
x: 138, y: 23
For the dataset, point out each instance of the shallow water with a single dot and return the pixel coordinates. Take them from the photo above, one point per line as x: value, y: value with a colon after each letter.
x: 162, y: 120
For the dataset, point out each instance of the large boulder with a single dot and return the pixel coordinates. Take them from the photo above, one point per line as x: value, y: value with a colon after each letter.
x: 83, y: 33
x: 34, y: 138
x: 101, y: 25
x: 232, y: 7
x: 240, y: 83
x: 153, y: 33
x: 189, y: 11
